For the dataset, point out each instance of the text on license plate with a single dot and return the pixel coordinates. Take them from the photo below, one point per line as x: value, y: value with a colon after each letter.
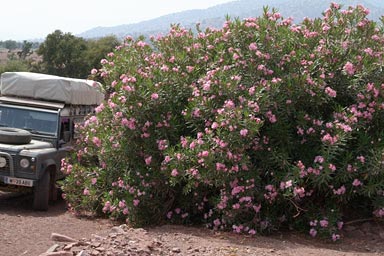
x: 18, y: 181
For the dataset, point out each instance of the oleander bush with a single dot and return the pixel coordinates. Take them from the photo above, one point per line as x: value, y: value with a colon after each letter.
x: 257, y: 126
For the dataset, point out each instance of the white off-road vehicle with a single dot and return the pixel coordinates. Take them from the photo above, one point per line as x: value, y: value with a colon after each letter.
x: 38, y: 114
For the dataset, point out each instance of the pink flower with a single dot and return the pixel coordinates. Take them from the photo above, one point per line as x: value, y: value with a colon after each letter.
x: 253, y: 47
x: 214, y: 125
x: 141, y: 44
x: 271, y: 117
x: 326, y: 28
x: 216, y: 222
x: 236, y: 206
x: 229, y: 104
x: 339, y: 191
x: 96, y: 141
x: 148, y: 160
x: 340, y: 225
x: 86, y: 192
x: 319, y: 159
x: 356, y: 183
x: 379, y: 212
x: 190, y: 69
x: 335, y: 5
x: 122, y: 204
x: 99, y: 108
x: 136, y: 202
x: 299, y: 191
x: 313, y: 232
x: 361, y: 159
x: 244, y: 132
x: 162, y: 144
x: 349, y: 68
x: 220, y: 167
x: 174, y: 173
x: 335, y: 237
x: 324, y: 223
x: 330, y: 92
x: 327, y: 138
x: 154, y: 96
x: 94, y: 71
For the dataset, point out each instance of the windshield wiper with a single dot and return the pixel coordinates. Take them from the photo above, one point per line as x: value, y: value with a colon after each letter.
x: 34, y: 131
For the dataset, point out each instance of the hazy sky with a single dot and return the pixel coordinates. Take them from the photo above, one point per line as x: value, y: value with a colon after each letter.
x: 31, y: 19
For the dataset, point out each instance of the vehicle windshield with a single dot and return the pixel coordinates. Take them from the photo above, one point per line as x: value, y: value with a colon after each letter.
x: 33, y: 120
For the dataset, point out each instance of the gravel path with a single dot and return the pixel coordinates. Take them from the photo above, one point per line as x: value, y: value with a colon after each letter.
x: 27, y: 232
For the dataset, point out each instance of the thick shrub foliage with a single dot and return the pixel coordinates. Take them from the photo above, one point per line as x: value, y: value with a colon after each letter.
x: 260, y: 125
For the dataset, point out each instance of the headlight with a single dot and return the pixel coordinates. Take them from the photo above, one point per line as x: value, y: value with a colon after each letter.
x: 24, y: 163
x: 3, y: 162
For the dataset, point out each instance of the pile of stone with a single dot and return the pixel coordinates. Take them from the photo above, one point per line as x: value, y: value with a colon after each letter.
x: 121, y: 240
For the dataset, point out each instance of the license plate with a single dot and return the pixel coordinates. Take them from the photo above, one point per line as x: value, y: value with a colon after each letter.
x: 18, y: 181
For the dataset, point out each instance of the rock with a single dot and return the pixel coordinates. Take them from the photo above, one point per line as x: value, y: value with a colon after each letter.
x: 61, y: 238
x: 69, y: 246
x: 117, y: 230
x: 100, y: 249
x: 82, y: 253
x: 60, y: 253
x: 53, y: 248
x: 97, y: 237
x: 176, y: 250
x: 96, y: 244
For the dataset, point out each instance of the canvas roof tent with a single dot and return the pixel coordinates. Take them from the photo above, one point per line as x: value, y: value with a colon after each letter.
x: 51, y: 88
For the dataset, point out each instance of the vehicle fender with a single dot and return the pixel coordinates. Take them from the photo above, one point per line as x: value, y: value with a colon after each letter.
x: 48, y: 164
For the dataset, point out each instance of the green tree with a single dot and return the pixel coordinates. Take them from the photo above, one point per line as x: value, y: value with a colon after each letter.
x: 99, y: 48
x: 26, y: 50
x: 63, y: 54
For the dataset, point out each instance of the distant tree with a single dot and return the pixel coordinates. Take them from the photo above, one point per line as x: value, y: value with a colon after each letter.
x: 64, y: 55
x: 10, y: 44
x: 26, y: 50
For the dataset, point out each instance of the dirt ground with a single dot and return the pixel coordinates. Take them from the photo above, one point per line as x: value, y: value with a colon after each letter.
x: 26, y: 232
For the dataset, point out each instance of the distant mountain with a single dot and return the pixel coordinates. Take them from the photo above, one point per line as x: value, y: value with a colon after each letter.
x: 215, y: 16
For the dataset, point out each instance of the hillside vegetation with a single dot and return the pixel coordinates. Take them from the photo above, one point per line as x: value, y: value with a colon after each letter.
x: 215, y: 16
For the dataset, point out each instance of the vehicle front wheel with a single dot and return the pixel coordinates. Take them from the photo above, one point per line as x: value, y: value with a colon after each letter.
x: 41, y: 193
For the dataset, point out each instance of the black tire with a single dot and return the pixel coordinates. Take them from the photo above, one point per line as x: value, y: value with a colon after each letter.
x: 17, y: 136
x: 41, y: 193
